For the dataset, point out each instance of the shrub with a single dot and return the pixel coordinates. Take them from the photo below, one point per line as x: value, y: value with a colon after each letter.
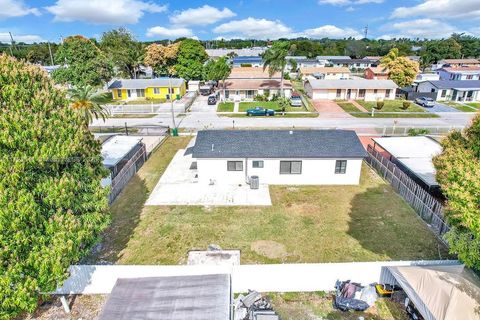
x: 259, y: 97
x: 405, y: 105
x: 379, y: 105
x: 417, y: 132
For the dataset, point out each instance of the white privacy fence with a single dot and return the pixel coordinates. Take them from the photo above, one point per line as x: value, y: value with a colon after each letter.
x: 100, y: 279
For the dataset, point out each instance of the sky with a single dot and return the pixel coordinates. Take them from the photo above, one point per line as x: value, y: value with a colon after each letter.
x: 50, y: 20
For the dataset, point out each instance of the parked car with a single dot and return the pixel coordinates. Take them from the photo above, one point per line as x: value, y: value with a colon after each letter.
x: 259, y: 111
x: 425, y: 102
x: 212, y: 100
x: 206, y: 90
x: 295, y: 100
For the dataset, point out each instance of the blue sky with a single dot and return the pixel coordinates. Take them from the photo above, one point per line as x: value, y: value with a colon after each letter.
x: 49, y: 20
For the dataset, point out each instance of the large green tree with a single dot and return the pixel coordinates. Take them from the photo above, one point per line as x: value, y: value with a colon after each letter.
x: 217, y: 70
x: 124, y: 51
x: 458, y: 173
x: 52, y: 206
x: 436, y: 50
x: 190, y: 59
x: 400, y: 69
x: 162, y: 58
x: 83, y: 63
x: 274, y: 59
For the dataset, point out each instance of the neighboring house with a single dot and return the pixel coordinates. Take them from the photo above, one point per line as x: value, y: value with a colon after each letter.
x: 247, y: 61
x: 359, y: 89
x: 376, y: 73
x: 456, y: 63
x: 422, y: 77
x: 325, y: 60
x: 452, y: 90
x: 459, y: 73
x: 354, y: 64
x: 193, y: 85
x: 245, y: 52
x: 140, y: 89
x: 413, y: 155
x: 278, y: 157
x: 247, y: 89
x: 252, y: 73
x: 328, y: 73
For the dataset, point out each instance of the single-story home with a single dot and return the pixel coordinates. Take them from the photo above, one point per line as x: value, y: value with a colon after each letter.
x: 452, y: 90
x: 278, y: 157
x: 252, y: 73
x: 459, y: 73
x: 421, y: 77
x: 325, y: 73
x: 247, y: 61
x: 247, y: 89
x: 244, y: 52
x: 376, y: 73
x: 354, y: 64
x: 326, y: 59
x: 141, y: 89
x: 359, y: 89
x: 456, y: 63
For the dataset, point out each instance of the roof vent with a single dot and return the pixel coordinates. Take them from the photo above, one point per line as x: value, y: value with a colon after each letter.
x: 291, y: 132
x: 213, y: 147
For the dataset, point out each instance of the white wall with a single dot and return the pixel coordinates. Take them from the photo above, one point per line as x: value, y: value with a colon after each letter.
x: 314, y: 172
x: 370, y: 94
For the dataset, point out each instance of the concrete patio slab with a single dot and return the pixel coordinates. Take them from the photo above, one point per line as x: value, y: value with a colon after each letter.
x: 179, y: 186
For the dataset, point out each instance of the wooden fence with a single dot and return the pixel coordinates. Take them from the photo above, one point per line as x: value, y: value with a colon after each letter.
x: 426, y: 206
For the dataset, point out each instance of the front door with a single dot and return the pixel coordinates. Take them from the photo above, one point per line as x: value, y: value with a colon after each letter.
x: 454, y: 95
x: 349, y: 93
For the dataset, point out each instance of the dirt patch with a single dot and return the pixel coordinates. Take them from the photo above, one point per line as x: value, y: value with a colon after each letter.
x: 269, y: 249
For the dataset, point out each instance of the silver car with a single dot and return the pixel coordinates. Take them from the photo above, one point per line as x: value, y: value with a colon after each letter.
x: 425, y: 102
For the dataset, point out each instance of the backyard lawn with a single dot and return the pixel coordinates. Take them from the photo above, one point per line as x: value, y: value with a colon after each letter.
x: 305, y: 224
x: 393, y: 106
x: 225, y: 107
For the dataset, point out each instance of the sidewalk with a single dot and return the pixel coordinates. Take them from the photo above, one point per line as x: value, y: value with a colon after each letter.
x: 358, y: 106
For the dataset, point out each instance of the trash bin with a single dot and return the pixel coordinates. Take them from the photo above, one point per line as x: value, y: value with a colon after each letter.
x: 254, y: 182
x: 175, y: 132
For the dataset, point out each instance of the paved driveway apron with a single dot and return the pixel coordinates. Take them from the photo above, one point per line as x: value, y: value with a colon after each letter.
x: 329, y: 109
x: 440, y: 108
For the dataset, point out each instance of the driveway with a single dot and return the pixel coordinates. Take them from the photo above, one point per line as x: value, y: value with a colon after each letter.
x: 179, y: 186
x: 440, y: 108
x: 201, y: 105
x: 329, y: 109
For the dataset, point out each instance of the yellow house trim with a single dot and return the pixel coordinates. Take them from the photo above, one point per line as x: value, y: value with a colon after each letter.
x: 151, y: 93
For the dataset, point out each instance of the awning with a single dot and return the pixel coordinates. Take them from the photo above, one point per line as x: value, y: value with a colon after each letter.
x: 441, y: 292
x: 199, y: 297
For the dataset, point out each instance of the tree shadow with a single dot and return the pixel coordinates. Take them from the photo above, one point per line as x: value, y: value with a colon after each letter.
x: 384, y: 224
x: 125, y: 213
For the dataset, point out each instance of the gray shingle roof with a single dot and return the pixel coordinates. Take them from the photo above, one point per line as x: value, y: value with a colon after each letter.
x: 278, y: 144
x: 144, y: 83
x: 456, y: 84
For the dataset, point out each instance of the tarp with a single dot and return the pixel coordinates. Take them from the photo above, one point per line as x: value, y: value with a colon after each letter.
x: 441, y: 292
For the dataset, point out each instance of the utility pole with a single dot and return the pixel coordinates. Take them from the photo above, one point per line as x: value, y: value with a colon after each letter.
x: 50, y: 50
x: 365, y: 32
x: 170, y: 93
x: 11, y: 44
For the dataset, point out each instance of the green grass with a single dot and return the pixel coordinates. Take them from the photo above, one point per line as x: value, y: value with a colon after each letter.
x: 368, y: 222
x: 470, y: 107
x: 347, y: 106
x: 474, y: 104
x: 301, y: 306
x: 390, y: 106
x: 298, y: 86
x: 225, y: 107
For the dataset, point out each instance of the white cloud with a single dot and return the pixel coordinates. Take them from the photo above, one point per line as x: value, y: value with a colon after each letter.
x: 348, y: 2
x: 201, y: 16
x: 169, y: 33
x: 15, y: 8
x: 331, y: 31
x: 103, y: 11
x: 27, y: 38
x: 256, y: 28
x: 441, y: 9
x: 420, y: 28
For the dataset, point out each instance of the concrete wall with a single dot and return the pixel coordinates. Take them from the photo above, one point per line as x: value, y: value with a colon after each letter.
x: 314, y: 172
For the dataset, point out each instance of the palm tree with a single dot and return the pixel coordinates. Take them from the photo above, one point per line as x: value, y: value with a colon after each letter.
x: 88, y: 101
x: 223, y: 69
x: 275, y: 60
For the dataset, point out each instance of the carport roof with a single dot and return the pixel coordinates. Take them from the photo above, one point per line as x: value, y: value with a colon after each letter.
x: 199, y: 297
x: 281, y: 144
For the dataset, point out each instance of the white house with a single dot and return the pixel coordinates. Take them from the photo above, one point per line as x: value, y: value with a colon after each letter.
x: 459, y: 73
x: 452, y: 90
x: 354, y: 64
x: 278, y: 157
x: 456, y: 63
x: 421, y: 77
x: 359, y: 89
x: 329, y: 73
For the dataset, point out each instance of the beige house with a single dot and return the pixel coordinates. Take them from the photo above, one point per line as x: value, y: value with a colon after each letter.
x: 328, y: 73
x: 247, y: 89
x: 356, y: 89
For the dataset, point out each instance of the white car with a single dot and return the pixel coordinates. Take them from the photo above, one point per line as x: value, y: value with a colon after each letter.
x: 295, y: 101
x: 425, y: 102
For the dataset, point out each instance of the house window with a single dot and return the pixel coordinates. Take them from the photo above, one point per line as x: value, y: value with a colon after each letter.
x: 375, y: 91
x: 119, y: 93
x: 339, y: 93
x: 361, y: 93
x: 234, y: 165
x: 129, y: 93
x: 290, y: 167
x: 340, y: 166
x: 257, y: 164
x: 469, y: 77
x: 387, y: 93
x: 156, y: 90
x: 444, y: 93
x: 171, y: 90
x: 140, y: 93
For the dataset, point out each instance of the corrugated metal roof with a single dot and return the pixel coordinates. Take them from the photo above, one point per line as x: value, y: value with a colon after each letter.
x: 281, y: 144
x: 200, y: 297
x: 352, y: 84
x: 144, y: 83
